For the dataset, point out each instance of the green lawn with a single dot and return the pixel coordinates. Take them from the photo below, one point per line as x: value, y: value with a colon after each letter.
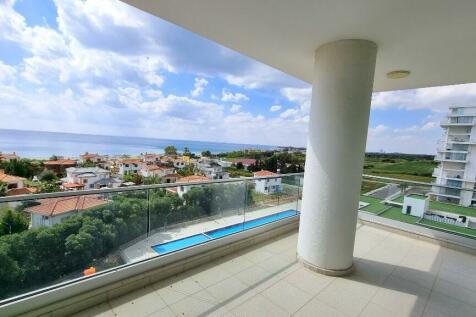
x: 369, y: 199
x: 416, y: 170
x: 453, y: 208
x: 375, y: 208
x: 464, y: 231
x: 395, y: 213
x: 368, y: 186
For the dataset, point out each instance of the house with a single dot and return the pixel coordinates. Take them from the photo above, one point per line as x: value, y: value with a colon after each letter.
x: 8, y: 156
x: 95, y: 158
x: 12, y: 182
x: 88, y: 178
x: 130, y: 166
x: 155, y: 170
x: 51, y: 211
x: 246, y: 162
x: 170, y: 178
x: 267, y: 185
x: 183, y: 188
x: 59, y: 166
x: 150, y: 158
x: 212, y: 169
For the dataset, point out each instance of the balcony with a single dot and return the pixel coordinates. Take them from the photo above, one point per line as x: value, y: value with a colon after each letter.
x: 237, y: 257
x: 452, y: 157
x: 457, y: 121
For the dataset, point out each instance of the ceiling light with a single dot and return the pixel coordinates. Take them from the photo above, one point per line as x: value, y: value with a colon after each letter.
x: 396, y: 74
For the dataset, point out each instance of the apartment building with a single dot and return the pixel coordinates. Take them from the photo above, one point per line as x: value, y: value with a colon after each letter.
x: 456, y: 154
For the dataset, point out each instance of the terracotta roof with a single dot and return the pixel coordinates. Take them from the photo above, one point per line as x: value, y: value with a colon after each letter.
x: 56, y: 206
x: 172, y: 175
x: 60, y: 162
x: 5, y: 178
x: 72, y: 185
x: 157, y: 168
x: 21, y: 191
x: 244, y: 161
x: 193, y: 178
x: 264, y: 173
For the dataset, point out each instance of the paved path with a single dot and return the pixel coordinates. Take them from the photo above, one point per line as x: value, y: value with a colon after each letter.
x: 142, y: 249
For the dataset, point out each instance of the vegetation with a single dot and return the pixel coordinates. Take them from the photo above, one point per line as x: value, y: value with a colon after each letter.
x: 186, y: 171
x: 367, y: 186
x: 186, y: 151
x: 403, y: 166
x: 48, y: 187
x: 47, y: 176
x: 452, y: 228
x: 170, y: 150
x: 22, y: 167
x: 395, y: 213
x: 88, y: 163
x: 12, y: 221
x: 132, y: 177
x: 237, y: 172
x: 207, y: 153
x: 3, y: 189
x: 151, y: 180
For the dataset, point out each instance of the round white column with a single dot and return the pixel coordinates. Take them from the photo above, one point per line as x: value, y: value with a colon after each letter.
x: 338, y: 124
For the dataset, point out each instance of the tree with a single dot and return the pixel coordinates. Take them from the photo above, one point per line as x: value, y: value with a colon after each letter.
x: 135, y: 178
x: 47, y: 176
x: 186, y: 151
x: 239, y: 166
x: 151, y: 180
x: 48, y: 187
x: 20, y: 168
x: 186, y: 171
x: 3, y: 189
x: 207, y: 153
x: 54, y: 158
x: 13, y: 222
x: 170, y: 150
x: 88, y: 163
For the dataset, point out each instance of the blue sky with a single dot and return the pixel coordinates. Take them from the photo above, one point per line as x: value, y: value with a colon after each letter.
x: 103, y: 67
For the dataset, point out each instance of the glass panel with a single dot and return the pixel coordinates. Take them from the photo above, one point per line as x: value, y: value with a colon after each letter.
x: 69, y: 237
x: 188, y: 215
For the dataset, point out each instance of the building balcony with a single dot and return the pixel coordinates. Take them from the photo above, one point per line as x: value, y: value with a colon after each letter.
x: 457, y: 122
x: 452, y: 157
x: 238, y: 259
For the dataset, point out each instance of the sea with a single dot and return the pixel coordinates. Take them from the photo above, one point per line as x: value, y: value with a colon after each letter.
x: 42, y: 145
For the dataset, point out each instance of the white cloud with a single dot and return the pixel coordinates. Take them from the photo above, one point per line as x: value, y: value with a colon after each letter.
x: 436, y: 99
x: 275, y: 108
x: 228, y: 96
x: 235, y: 108
x: 199, y: 87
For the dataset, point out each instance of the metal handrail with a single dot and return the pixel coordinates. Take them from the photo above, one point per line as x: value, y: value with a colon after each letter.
x: 134, y: 188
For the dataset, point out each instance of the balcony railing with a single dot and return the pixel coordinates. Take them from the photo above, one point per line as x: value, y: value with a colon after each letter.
x: 74, y: 235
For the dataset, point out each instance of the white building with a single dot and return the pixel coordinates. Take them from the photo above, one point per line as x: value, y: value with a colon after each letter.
x: 51, y: 211
x: 457, y: 168
x: 267, y: 185
x: 154, y: 170
x: 415, y: 205
x: 212, y: 169
x: 88, y: 178
x: 130, y: 166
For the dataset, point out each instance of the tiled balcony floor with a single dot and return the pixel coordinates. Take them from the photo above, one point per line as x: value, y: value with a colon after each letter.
x: 394, y: 276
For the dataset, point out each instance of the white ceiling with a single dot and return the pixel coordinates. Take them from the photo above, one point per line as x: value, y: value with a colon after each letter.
x: 434, y: 39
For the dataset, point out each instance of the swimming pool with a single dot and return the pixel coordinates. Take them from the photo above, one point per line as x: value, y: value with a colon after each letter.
x: 186, y: 242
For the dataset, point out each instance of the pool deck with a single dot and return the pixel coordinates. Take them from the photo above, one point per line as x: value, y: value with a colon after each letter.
x: 142, y: 249
x: 394, y: 275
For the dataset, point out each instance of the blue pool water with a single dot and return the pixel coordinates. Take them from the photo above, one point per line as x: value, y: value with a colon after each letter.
x: 180, y: 244
x: 183, y: 243
x: 218, y: 233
